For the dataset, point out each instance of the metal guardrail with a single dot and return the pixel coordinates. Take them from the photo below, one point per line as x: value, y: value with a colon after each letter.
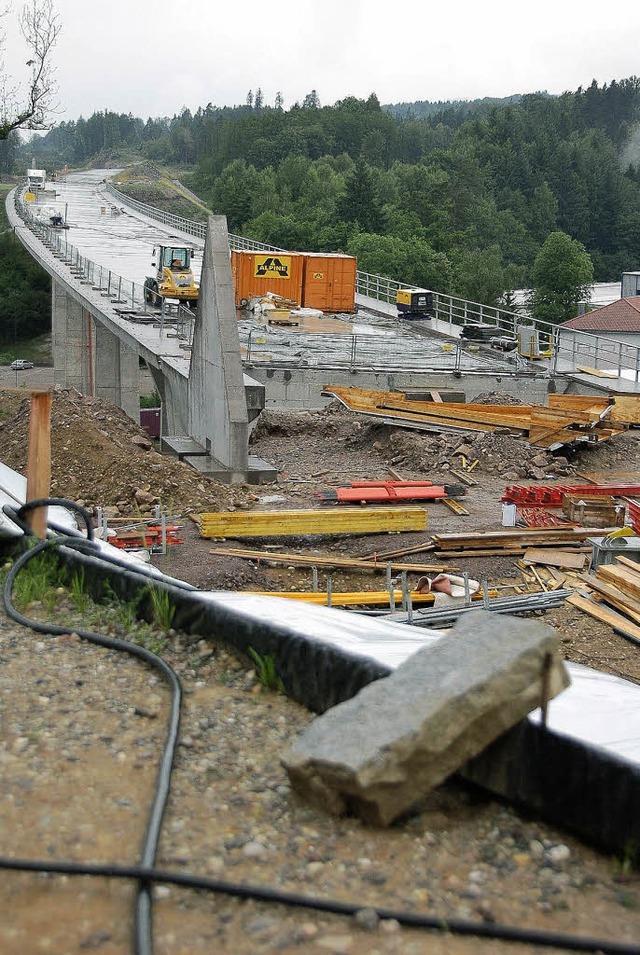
x: 566, y: 347
x: 118, y: 290
x: 196, y: 229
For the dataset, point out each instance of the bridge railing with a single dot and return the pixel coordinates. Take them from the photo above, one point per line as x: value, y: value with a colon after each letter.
x: 110, y: 285
x: 197, y: 229
x: 567, y: 348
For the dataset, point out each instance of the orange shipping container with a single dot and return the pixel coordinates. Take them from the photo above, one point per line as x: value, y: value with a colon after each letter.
x: 256, y: 273
x: 329, y: 282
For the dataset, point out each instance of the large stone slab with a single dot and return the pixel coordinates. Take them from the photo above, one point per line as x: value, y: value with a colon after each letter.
x: 380, y: 752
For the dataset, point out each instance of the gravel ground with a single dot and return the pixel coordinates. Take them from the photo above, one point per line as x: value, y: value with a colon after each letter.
x: 80, y: 734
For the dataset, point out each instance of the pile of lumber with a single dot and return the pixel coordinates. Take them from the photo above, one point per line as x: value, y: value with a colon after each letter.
x: 512, y: 540
x: 345, y: 520
x: 566, y: 420
x: 612, y: 595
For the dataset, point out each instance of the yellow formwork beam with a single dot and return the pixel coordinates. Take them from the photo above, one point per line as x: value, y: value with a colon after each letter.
x: 343, y: 520
x: 349, y: 599
x: 357, y: 597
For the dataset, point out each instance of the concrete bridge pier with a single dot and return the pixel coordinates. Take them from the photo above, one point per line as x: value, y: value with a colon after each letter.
x: 89, y: 357
x: 116, y: 372
x: 72, y: 340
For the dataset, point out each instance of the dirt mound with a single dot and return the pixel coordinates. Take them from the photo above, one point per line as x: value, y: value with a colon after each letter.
x: 328, y: 422
x: 140, y: 171
x: 101, y: 458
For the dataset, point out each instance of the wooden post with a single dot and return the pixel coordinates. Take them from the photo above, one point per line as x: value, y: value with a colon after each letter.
x: 39, y: 459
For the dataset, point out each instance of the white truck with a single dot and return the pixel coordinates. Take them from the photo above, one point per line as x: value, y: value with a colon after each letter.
x: 36, y: 179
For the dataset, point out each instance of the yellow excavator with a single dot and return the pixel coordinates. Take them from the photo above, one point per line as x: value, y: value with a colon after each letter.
x: 173, y: 278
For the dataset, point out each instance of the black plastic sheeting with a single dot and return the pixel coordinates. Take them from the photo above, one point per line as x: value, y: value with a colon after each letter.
x: 581, y: 787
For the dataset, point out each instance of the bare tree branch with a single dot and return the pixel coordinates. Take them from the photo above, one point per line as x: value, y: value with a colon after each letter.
x: 31, y: 108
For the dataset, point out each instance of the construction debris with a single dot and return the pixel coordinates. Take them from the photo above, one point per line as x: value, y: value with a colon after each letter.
x: 153, y: 537
x: 377, y: 754
x: 540, y: 517
x: 549, y: 427
x: 616, y: 586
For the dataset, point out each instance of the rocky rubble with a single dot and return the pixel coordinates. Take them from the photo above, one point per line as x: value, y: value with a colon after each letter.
x: 100, y: 458
x: 496, y: 453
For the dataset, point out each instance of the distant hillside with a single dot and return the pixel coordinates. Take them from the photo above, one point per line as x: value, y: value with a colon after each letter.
x: 422, y: 109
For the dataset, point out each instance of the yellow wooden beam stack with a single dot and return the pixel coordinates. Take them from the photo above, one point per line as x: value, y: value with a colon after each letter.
x: 343, y: 520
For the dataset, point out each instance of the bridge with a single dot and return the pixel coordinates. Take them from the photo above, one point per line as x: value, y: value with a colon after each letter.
x: 214, y: 373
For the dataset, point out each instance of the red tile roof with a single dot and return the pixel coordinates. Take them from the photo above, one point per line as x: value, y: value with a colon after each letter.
x: 620, y: 316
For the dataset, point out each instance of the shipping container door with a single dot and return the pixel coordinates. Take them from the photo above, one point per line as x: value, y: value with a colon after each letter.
x: 329, y: 283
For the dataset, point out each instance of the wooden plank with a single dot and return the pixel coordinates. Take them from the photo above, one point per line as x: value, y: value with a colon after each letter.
x: 488, y: 552
x: 604, y: 614
x: 394, y: 473
x: 314, y: 560
x: 620, y: 577
x: 612, y: 595
x: 630, y: 564
x: 455, y: 506
x: 399, y: 551
x: 555, y: 558
x: 343, y: 520
x: 39, y: 460
x: 578, y: 403
x: 545, y: 425
x: 596, y: 372
x: 436, y: 395
x: 464, y: 477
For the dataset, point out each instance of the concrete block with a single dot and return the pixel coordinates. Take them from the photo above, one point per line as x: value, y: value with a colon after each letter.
x: 377, y: 754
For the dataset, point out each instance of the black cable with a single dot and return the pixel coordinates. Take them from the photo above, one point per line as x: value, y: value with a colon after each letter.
x: 505, y: 933
x: 145, y: 874
x: 143, y: 920
x: 17, y: 516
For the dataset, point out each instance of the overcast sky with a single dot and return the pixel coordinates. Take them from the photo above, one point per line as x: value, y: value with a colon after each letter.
x: 153, y: 57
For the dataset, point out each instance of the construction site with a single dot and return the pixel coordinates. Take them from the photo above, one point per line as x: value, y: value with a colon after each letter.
x: 409, y: 648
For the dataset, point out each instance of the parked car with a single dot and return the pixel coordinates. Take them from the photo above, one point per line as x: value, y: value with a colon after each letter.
x: 21, y: 364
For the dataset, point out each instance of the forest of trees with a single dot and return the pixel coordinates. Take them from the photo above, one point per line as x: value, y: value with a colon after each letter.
x: 455, y: 197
